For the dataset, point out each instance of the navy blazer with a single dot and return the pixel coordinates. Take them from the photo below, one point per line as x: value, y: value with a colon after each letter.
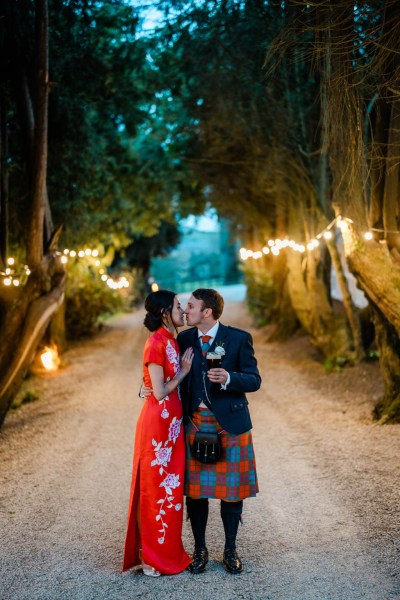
x: 230, y: 406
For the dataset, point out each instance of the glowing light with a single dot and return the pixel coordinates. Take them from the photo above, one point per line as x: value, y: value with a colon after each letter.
x: 64, y: 260
x: 95, y: 253
x: 88, y: 252
x: 66, y: 251
x: 154, y: 287
x: 249, y: 253
x: 368, y: 235
x: 104, y: 277
x: 8, y: 271
x: 97, y: 263
x: 16, y: 282
x: 72, y: 253
x: 266, y: 250
x: 50, y: 358
x: 101, y: 271
x: 328, y: 235
x: 27, y: 271
x: 302, y: 248
x: 275, y: 251
x: 271, y: 242
x: 7, y: 281
x: 10, y: 261
x: 81, y: 254
x: 257, y: 255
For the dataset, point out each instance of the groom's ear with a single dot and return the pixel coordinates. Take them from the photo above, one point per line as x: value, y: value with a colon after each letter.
x: 207, y: 312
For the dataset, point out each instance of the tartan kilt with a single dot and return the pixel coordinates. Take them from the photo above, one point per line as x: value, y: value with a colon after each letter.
x: 234, y: 476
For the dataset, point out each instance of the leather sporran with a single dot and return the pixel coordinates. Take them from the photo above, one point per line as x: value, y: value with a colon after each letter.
x: 206, y: 447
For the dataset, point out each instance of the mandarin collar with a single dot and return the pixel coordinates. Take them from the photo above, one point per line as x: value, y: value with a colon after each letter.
x: 165, y: 332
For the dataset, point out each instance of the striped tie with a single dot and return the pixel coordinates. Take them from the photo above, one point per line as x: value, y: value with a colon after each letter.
x: 205, y: 339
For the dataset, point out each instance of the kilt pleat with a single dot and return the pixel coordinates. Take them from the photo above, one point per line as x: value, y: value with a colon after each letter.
x: 234, y: 476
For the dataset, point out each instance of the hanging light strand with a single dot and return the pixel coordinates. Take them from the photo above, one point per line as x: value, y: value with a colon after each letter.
x: 275, y: 246
x: 12, y: 276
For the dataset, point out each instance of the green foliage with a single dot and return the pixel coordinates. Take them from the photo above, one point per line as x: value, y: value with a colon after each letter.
x: 336, y: 363
x: 24, y: 398
x: 89, y: 301
x: 260, y: 296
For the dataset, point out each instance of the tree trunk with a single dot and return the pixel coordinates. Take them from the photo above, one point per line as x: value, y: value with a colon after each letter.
x: 388, y: 342
x: 351, y: 313
x: 3, y: 184
x: 36, y: 319
x: 35, y: 241
x: 28, y: 316
x: 391, y: 203
x: 311, y: 302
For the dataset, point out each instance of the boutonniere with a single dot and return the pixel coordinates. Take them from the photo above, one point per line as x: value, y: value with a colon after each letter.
x: 219, y: 348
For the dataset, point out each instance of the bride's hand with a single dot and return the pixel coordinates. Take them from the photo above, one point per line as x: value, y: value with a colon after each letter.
x: 186, y: 360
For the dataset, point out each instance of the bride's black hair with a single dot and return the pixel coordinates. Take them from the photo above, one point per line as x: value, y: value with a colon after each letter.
x: 158, y: 304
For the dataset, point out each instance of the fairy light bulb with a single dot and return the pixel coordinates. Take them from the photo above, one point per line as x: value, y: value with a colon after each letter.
x: 368, y: 235
x: 66, y: 251
x: 95, y: 253
x: 88, y: 252
x: 64, y: 260
x: 7, y: 281
x: 104, y: 277
x: 72, y: 254
x: 328, y: 235
x: 266, y: 250
x: 81, y: 254
x: 16, y: 282
x: 10, y: 260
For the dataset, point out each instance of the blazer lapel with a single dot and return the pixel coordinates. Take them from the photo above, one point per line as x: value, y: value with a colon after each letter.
x: 222, y: 338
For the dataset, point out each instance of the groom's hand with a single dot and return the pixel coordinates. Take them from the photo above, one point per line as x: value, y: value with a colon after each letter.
x: 146, y: 391
x: 218, y: 376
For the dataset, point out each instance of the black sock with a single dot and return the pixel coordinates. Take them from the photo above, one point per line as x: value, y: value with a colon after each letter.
x: 198, y: 515
x: 230, y: 514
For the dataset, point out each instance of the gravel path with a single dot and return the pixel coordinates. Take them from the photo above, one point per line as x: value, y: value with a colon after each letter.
x: 324, y: 527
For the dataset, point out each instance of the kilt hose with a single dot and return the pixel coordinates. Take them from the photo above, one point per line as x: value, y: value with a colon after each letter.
x: 233, y: 477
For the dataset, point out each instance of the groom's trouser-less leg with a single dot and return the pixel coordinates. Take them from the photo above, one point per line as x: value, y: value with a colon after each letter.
x: 198, y: 515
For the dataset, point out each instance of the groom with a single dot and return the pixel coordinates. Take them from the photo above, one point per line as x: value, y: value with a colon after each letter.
x: 214, y: 400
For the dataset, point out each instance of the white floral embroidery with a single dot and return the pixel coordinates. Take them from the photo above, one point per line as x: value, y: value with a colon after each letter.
x: 163, y: 454
x: 170, y: 483
x: 173, y: 356
x: 174, y: 429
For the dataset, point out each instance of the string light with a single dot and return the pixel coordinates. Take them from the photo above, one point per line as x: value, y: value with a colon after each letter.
x: 11, y: 276
x: 275, y: 246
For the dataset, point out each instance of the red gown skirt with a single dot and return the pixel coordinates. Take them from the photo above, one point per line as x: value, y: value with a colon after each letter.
x: 157, y: 486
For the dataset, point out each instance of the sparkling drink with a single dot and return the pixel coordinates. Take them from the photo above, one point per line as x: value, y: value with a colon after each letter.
x: 213, y: 360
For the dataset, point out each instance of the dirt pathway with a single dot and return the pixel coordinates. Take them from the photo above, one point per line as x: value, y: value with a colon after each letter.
x: 325, y: 526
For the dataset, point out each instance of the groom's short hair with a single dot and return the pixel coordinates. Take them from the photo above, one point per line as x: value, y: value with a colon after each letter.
x: 211, y: 299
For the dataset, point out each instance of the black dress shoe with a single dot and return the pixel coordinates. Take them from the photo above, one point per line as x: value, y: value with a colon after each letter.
x: 232, y: 562
x: 200, y: 559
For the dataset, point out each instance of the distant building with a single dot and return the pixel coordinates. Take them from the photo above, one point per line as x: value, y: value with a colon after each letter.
x: 202, y: 259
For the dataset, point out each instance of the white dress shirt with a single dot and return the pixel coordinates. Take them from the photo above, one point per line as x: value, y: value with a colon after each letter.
x: 213, y: 334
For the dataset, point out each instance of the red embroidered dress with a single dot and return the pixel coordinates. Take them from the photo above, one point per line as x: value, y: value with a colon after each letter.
x: 158, y: 470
